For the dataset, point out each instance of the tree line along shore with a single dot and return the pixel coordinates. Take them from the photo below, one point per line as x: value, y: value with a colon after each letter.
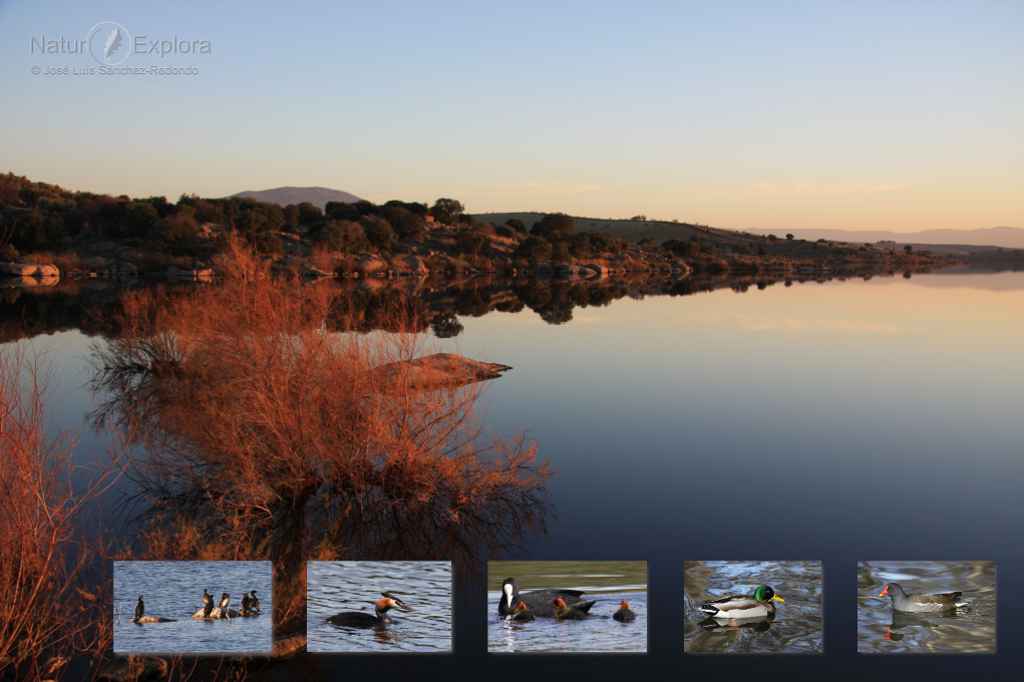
x: 48, y: 233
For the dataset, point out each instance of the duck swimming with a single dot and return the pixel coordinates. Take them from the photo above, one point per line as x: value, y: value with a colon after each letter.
x: 361, y: 619
x: 521, y: 613
x: 760, y: 604
x: 225, y: 601
x: 250, y: 604
x: 207, y: 603
x: 565, y: 611
x: 540, y: 602
x: 140, y: 617
x: 921, y: 603
x: 624, y: 614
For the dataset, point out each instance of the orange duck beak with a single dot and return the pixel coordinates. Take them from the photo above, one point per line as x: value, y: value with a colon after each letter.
x: 884, y: 592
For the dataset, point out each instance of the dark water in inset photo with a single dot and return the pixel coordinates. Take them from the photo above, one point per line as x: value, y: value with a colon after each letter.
x: 796, y: 628
x: 967, y: 630
x: 174, y: 589
x: 339, y: 586
x: 606, y: 582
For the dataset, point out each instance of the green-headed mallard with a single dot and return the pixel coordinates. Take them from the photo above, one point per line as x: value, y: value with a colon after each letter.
x: 736, y: 607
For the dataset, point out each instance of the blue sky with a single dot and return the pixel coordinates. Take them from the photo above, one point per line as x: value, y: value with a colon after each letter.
x: 885, y: 115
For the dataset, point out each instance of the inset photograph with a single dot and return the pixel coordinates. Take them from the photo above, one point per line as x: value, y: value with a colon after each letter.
x: 753, y: 607
x: 567, y: 606
x: 926, y: 607
x: 379, y: 606
x: 193, y: 607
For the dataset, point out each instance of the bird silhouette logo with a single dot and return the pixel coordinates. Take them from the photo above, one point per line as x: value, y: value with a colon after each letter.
x: 109, y: 43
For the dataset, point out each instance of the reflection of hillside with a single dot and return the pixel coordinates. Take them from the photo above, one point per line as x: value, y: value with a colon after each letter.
x: 94, y: 307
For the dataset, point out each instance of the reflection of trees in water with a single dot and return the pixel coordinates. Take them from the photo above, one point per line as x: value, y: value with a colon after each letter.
x: 267, y: 438
x: 369, y: 305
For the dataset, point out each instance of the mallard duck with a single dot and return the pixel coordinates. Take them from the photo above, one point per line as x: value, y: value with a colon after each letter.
x: 624, y: 614
x: 736, y: 607
x: 564, y: 611
x: 921, y: 603
x: 540, y: 602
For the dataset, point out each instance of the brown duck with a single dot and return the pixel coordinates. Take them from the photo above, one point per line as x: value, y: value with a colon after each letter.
x: 624, y: 614
x: 565, y: 612
x: 921, y: 603
x: 521, y: 613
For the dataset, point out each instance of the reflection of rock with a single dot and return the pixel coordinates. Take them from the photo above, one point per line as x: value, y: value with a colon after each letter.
x: 33, y: 270
x: 440, y: 369
x: 30, y: 281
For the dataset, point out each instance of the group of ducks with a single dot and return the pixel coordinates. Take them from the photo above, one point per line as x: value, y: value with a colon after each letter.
x: 558, y: 604
x: 760, y: 604
x: 250, y: 607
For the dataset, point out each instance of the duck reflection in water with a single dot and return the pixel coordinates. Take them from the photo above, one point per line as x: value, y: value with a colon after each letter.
x: 911, y: 622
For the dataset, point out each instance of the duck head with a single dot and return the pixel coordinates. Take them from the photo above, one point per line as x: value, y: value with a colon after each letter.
x: 509, y: 592
x: 623, y: 605
x: 765, y: 594
x: 389, y: 601
x: 891, y: 590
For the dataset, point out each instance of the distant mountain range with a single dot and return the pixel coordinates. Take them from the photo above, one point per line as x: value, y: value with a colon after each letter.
x: 1008, y: 237
x: 318, y: 196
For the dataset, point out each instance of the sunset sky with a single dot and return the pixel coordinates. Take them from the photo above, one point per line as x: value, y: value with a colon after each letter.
x: 883, y: 115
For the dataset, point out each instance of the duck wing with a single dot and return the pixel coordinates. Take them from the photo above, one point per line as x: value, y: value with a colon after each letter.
x: 942, y: 599
x: 733, y: 605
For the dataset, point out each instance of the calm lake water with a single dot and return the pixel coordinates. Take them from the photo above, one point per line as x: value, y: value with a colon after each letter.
x: 336, y: 586
x: 971, y: 630
x: 606, y: 582
x: 798, y: 625
x: 174, y: 589
x: 785, y: 423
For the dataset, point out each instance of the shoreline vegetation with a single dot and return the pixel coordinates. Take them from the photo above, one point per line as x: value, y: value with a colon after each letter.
x: 341, y: 445
x: 49, y: 234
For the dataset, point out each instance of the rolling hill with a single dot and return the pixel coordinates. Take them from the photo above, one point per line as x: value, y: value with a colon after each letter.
x: 318, y: 196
